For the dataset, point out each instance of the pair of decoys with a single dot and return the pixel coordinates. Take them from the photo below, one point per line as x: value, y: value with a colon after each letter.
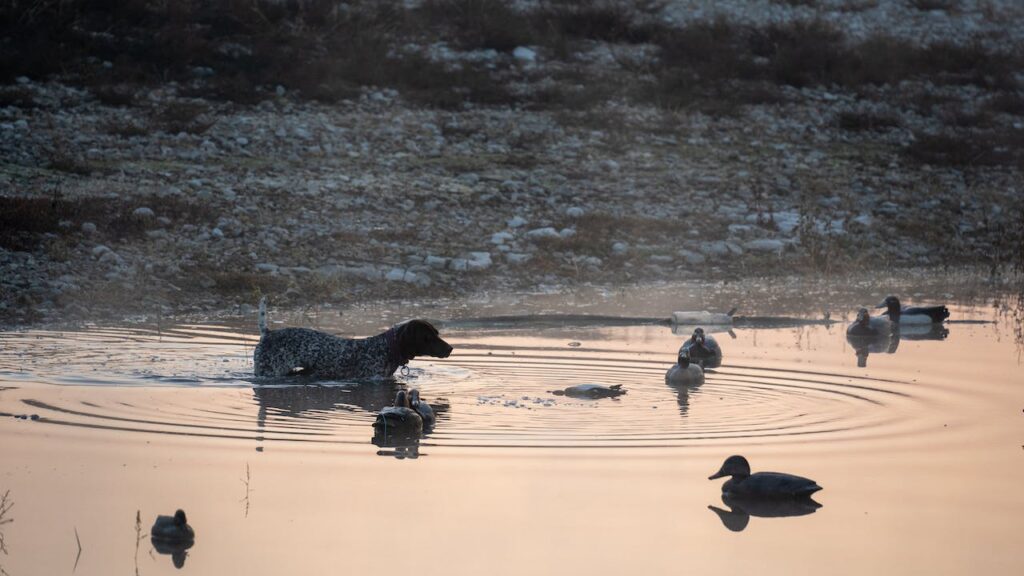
x: 410, y: 414
x: 895, y: 314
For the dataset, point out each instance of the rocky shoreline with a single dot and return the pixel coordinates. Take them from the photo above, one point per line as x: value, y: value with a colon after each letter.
x: 179, y: 203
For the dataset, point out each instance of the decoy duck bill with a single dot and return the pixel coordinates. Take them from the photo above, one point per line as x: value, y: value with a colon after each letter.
x: 718, y: 474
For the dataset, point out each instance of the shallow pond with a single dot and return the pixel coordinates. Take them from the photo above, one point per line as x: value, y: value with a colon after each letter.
x: 920, y: 452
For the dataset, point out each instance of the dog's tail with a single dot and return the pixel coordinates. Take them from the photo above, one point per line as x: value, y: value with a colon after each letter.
x: 263, y: 316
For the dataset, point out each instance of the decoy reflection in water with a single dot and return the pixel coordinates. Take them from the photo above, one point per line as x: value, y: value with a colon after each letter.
x: 590, y: 391
x: 761, y: 484
x: 741, y: 509
x: 912, y: 315
x: 702, y: 350
x: 683, y: 377
x: 172, y: 535
x: 872, y: 335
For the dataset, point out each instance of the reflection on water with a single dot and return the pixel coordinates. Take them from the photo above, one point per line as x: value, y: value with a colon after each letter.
x: 740, y: 510
x: 178, y: 551
x: 889, y: 341
x: 130, y: 419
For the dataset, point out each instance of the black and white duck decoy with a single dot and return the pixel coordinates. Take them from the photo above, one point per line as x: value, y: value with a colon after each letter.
x: 400, y: 417
x: 761, y: 484
x: 591, y: 391
x: 914, y: 314
x: 684, y: 373
x: 702, y: 350
x: 172, y: 529
x: 422, y: 408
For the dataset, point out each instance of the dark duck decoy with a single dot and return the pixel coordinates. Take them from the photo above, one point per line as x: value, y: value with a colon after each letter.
x: 702, y: 350
x: 422, y: 408
x: 743, y: 484
x: 684, y: 373
x: 912, y: 315
x: 172, y: 529
x: 400, y: 417
x: 866, y: 326
x: 591, y: 391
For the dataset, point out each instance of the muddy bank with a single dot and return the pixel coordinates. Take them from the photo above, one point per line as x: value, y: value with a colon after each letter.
x: 121, y: 198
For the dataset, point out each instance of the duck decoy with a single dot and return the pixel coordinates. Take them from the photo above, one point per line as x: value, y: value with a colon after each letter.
x: 703, y: 350
x: 422, y: 408
x: 868, y: 326
x: 761, y: 484
x: 172, y: 529
x: 684, y: 373
x: 912, y: 315
x: 591, y: 391
x: 702, y: 317
x: 400, y: 417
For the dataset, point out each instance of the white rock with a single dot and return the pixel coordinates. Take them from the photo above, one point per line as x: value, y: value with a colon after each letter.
x: 459, y: 264
x: 765, y: 245
x: 516, y: 222
x: 242, y: 141
x: 99, y: 250
x: 517, y: 257
x: 436, y: 261
x: 479, y: 261
x: 501, y: 237
x: 267, y: 267
x: 217, y: 233
x: 567, y: 232
x: 398, y: 275
x: 546, y: 232
x: 88, y: 228
x: 620, y: 248
x: 524, y: 55
x: 574, y: 212
x: 143, y: 212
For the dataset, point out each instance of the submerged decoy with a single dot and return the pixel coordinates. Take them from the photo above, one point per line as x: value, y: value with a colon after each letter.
x: 422, y: 408
x: 172, y: 529
x: 702, y: 350
x: 400, y: 417
x: 591, y: 391
x: 761, y: 484
x: 684, y: 373
x: 912, y: 315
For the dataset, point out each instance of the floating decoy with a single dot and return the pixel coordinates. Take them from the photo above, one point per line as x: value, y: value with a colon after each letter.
x: 591, y: 391
x: 421, y: 408
x: 702, y: 317
x: 702, y: 350
x: 684, y: 373
x: 172, y: 529
x: 867, y: 326
x: 399, y: 417
x: 912, y: 315
x: 761, y: 484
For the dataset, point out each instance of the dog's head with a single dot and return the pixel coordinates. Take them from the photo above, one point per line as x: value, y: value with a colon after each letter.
x: 420, y: 338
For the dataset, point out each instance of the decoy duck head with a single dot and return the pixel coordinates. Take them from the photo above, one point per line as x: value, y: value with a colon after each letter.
x: 179, y: 518
x: 733, y: 466
x: 684, y: 360
x: 863, y: 317
x: 891, y: 303
x: 414, y: 397
x: 698, y: 335
x: 401, y: 399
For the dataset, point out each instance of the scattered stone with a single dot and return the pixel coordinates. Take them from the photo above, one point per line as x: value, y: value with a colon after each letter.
x: 546, y: 232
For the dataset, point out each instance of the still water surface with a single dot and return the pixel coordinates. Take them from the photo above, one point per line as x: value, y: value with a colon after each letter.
x: 920, y: 453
